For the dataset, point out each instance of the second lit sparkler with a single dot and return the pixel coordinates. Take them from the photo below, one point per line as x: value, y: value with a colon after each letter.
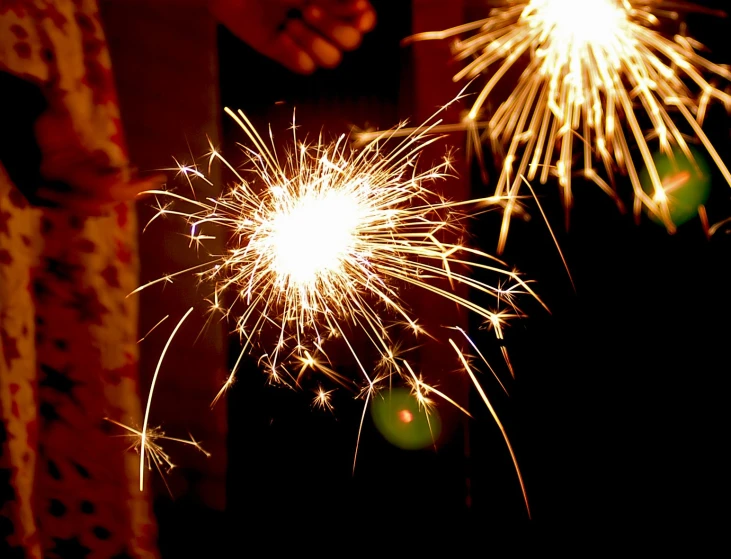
x: 595, y: 76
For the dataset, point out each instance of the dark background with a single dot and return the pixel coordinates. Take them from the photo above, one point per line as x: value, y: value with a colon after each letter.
x: 617, y: 412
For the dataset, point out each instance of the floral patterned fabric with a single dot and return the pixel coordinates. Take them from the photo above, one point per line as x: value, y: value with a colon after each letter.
x: 68, y: 332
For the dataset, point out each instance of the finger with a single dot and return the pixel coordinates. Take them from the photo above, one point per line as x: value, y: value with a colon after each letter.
x: 107, y: 191
x: 366, y: 21
x: 285, y: 50
x: 250, y: 22
x: 77, y: 203
x: 342, y: 8
x: 334, y: 29
x: 134, y: 188
x: 322, y: 52
x: 87, y: 180
x: 358, y: 13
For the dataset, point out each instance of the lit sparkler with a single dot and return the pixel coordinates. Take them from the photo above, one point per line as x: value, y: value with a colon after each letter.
x: 595, y: 75
x: 323, y: 241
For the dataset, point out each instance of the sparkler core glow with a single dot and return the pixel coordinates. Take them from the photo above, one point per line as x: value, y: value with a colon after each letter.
x: 312, y: 237
x: 597, y: 74
x: 570, y: 26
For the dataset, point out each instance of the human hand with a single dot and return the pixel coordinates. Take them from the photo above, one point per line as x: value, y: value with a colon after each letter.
x: 108, y: 191
x: 315, y: 37
x: 79, y: 180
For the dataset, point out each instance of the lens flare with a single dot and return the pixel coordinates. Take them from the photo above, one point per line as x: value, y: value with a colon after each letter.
x: 686, y: 184
x: 403, y: 421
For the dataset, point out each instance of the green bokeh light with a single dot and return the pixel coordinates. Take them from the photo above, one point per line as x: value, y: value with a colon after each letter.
x: 399, y: 419
x: 687, y: 183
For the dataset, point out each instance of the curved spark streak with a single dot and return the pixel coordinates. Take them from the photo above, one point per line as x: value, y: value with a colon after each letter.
x: 469, y: 371
x: 144, y: 433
